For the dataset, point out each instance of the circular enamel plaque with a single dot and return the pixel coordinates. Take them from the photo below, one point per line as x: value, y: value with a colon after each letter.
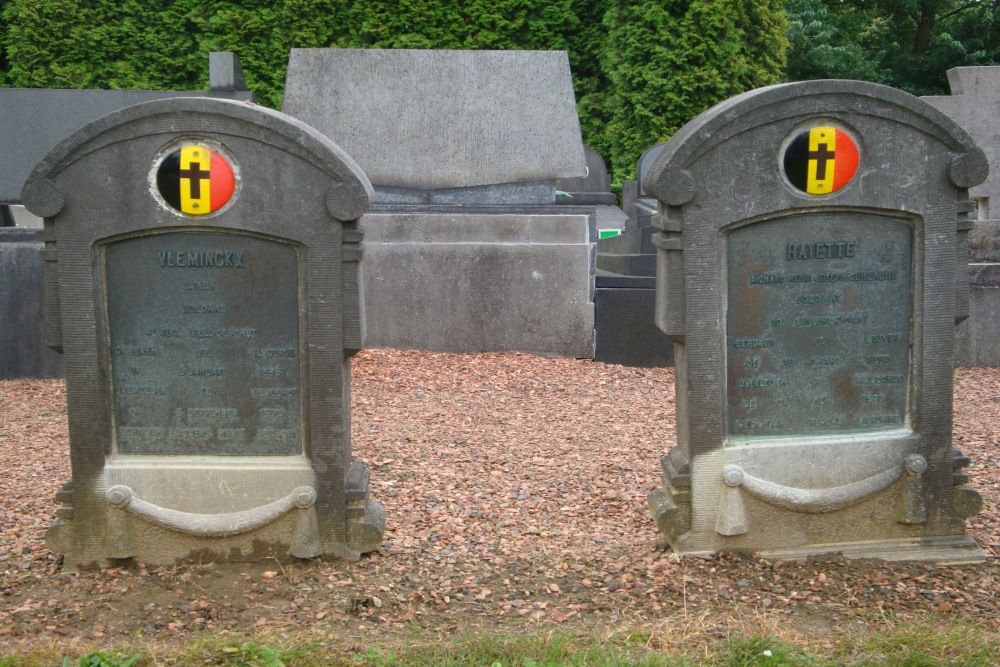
x: 821, y: 160
x: 195, y: 179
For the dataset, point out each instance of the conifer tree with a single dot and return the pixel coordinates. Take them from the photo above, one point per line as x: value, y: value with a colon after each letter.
x: 669, y: 60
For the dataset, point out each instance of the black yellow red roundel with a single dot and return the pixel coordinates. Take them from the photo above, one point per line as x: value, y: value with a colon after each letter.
x: 821, y: 160
x: 195, y: 179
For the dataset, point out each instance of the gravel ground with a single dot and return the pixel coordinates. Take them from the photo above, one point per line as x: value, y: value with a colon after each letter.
x: 515, y: 489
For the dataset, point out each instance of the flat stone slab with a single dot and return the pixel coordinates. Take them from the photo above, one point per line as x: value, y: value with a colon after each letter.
x: 35, y: 120
x: 442, y: 119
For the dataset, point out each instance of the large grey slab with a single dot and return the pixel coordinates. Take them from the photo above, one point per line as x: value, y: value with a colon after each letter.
x: 34, y: 120
x: 973, y: 103
x: 442, y: 119
x: 480, y: 281
x: 623, y: 315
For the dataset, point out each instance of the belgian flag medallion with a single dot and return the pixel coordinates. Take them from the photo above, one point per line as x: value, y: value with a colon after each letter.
x: 196, y: 179
x: 821, y: 160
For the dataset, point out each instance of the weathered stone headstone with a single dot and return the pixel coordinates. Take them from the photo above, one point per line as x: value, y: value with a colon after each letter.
x: 972, y: 104
x: 466, y: 249
x: 201, y: 262
x: 811, y: 272
x: 593, y: 188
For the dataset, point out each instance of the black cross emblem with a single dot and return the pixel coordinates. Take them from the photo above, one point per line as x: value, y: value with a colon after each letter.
x: 821, y: 156
x: 195, y: 174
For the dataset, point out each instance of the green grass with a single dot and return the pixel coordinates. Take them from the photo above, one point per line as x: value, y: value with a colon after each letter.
x: 913, y: 645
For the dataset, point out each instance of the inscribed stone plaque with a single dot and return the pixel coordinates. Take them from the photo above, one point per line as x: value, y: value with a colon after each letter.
x: 204, y: 331
x: 818, y: 330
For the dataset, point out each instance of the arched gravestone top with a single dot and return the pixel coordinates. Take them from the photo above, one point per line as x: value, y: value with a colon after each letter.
x: 667, y: 181
x: 811, y: 268
x: 348, y: 200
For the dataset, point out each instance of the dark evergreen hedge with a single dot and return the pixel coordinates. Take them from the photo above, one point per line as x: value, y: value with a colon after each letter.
x: 641, y: 69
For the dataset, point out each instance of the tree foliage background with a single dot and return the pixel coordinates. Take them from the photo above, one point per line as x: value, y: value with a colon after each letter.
x: 641, y: 68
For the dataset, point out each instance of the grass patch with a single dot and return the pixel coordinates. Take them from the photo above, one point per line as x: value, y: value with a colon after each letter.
x: 905, y: 645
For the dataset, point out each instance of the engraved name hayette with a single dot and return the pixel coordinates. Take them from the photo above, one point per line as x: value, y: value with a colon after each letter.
x: 202, y: 259
x: 821, y: 250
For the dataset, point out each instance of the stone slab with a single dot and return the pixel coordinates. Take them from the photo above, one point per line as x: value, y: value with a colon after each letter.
x: 530, y: 192
x: 976, y: 337
x: 630, y: 195
x: 23, y: 353
x: 984, y: 241
x: 626, y: 330
x: 480, y: 281
x: 442, y: 119
x: 35, y: 120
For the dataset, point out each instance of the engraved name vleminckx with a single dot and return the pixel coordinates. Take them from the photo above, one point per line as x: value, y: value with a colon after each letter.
x: 204, y: 335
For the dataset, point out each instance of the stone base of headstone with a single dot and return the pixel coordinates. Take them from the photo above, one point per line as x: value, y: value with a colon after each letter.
x: 248, y: 529
x: 623, y: 319
x: 762, y: 507
x: 947, y: 550
x: 480, y: 279
x: 23, y: 353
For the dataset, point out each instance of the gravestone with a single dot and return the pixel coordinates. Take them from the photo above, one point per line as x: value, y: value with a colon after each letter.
x: 23, y: 353
x: 201, y: 261
x: 463, y: 149
x: 592, y: 188
x: 972, y: 104
x: 811, y: 270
